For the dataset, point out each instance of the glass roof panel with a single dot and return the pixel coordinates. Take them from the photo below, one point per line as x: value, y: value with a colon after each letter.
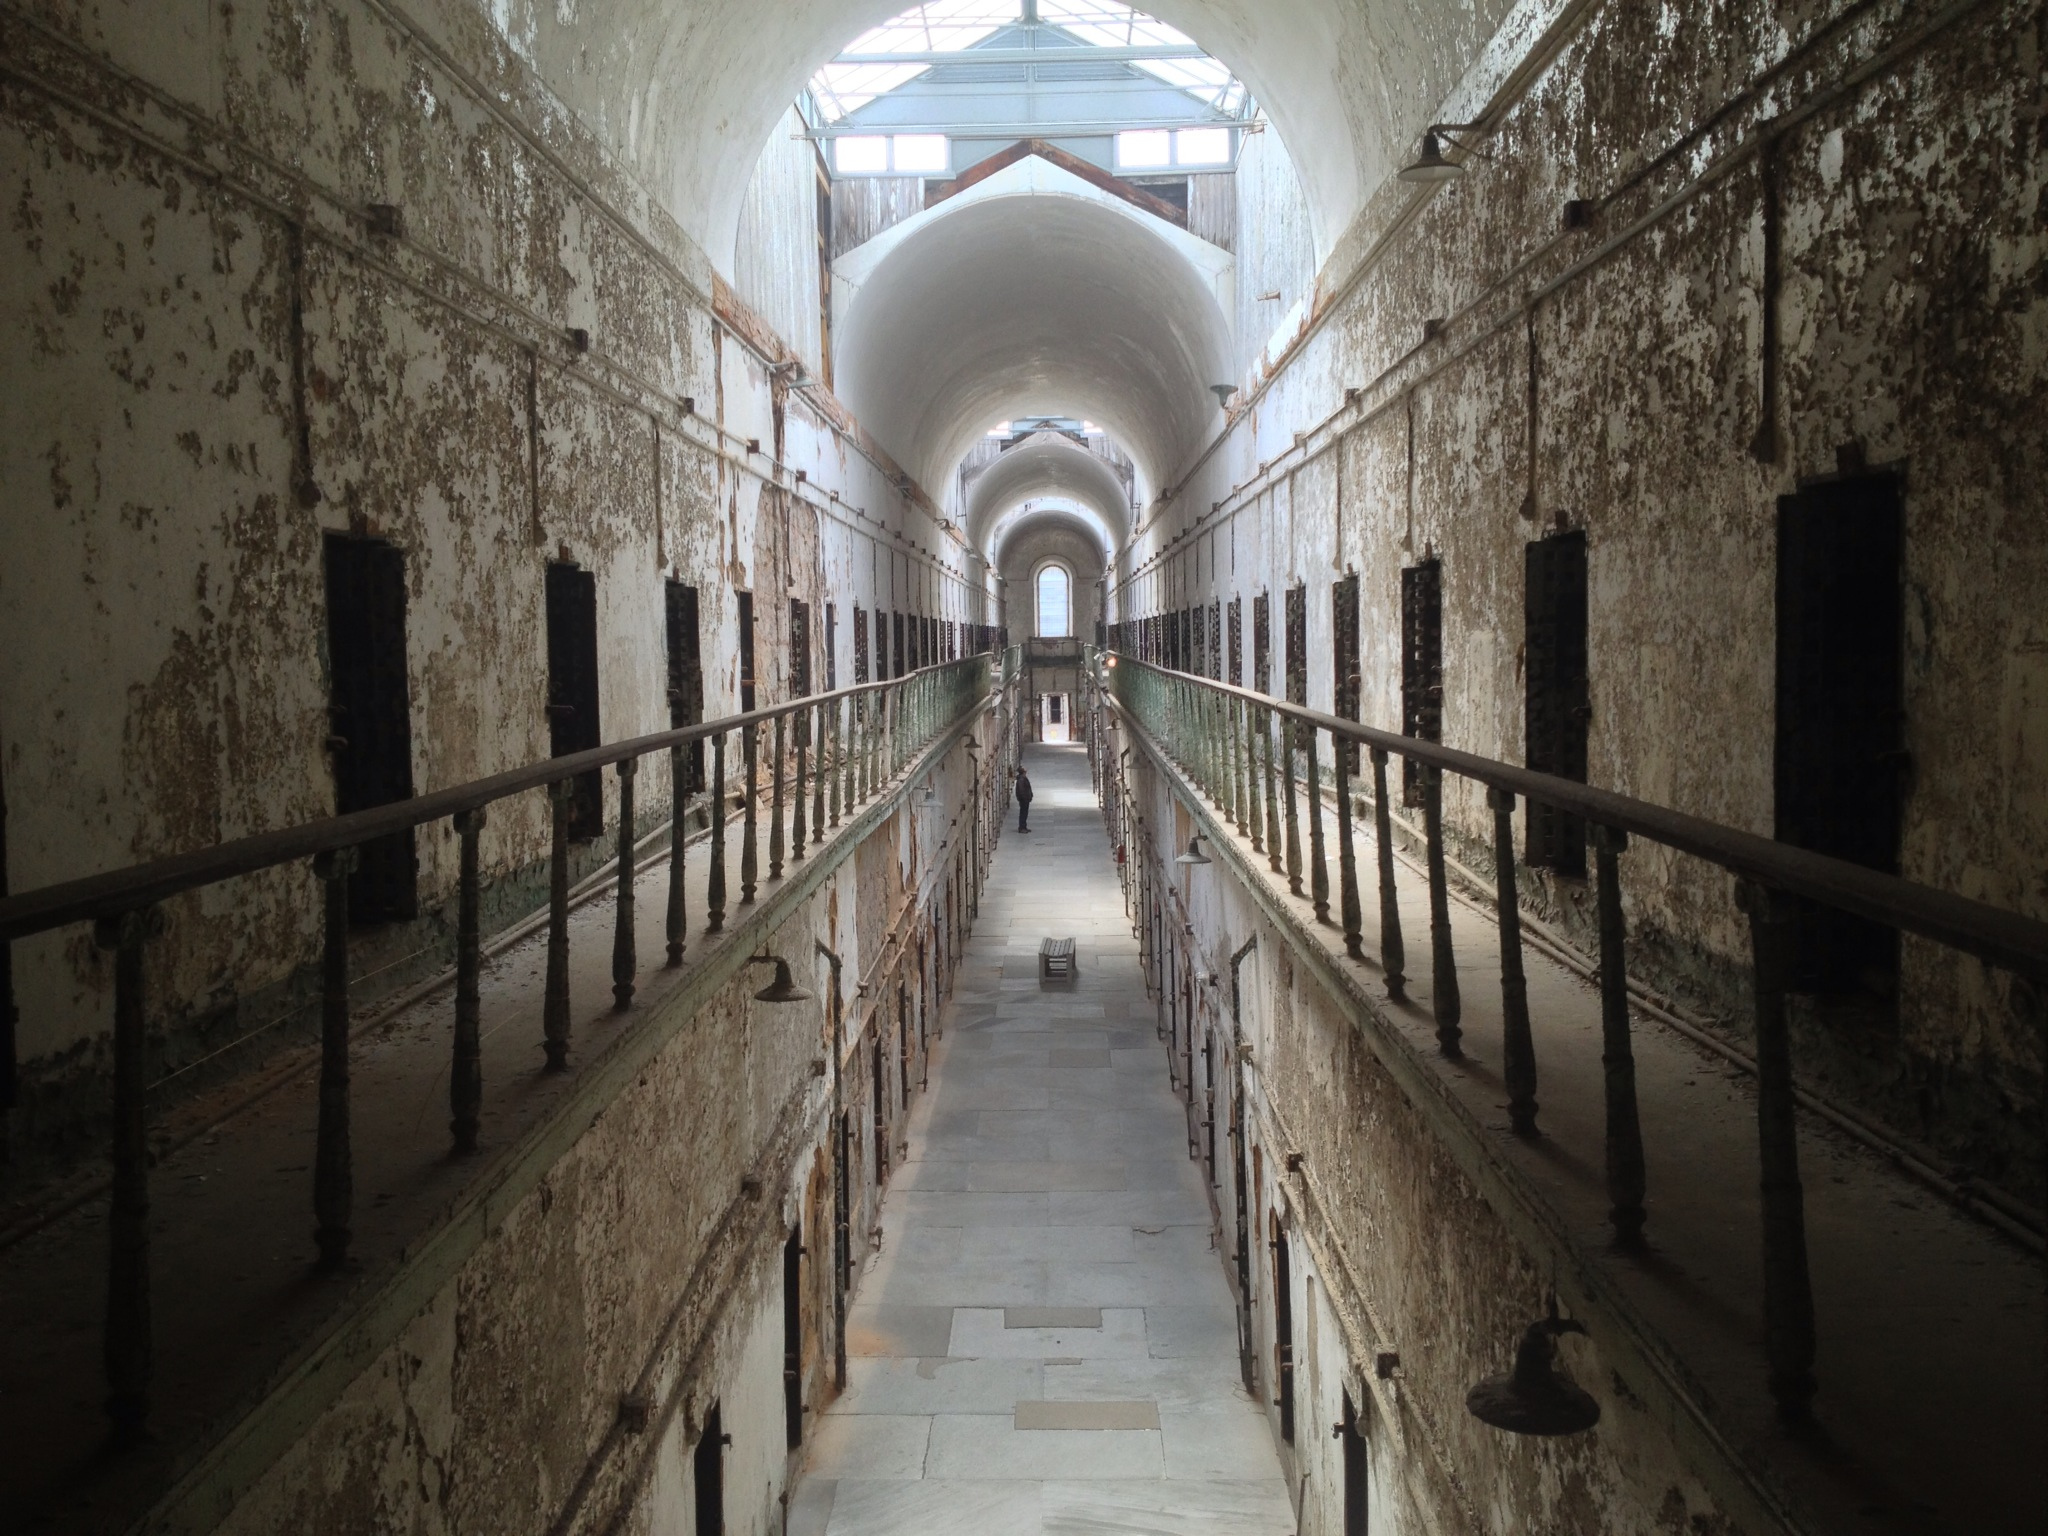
x: 957, y: 25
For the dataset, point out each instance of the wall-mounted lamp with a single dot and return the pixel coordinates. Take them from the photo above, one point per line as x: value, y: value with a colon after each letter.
x: 1223, y: 392
x: 1536, y: 1398
x: 1432, y: 167
x: 783, y: 989
x: 1194, y: 855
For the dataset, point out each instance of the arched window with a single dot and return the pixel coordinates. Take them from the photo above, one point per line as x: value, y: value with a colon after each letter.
x: 1055, y: 615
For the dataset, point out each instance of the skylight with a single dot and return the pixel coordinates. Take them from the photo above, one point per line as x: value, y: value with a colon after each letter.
x: 951, y: 26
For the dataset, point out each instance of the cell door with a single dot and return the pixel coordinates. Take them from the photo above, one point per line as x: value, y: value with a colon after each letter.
x: 686, y: 675
x: 1840, y: 739
x: 1558, y: 703
x: 1422, y: 665
x: 707, y: 1463
x: 831, y: 648
x: 746, y: 619
x: 881, y: 1084
x: 860, y: 644
x: 1346, y: 683
x: 898, y: 667
x: 1247, y: 1361
x: 1297, y: 660
x: 1262, y: 643
x: 1355, y: 1470
x: 1283, y: 1330
x: 793, y: 1338
x: 572, y: 686
x: 799, y: 649
x: 370, y: 716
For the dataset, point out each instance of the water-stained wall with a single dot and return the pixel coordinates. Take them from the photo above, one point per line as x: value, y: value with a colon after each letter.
x: 1712, y: 252
x: 301, y: 269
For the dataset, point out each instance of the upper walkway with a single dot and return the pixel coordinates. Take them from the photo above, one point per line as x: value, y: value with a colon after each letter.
x: 1045, y: 1341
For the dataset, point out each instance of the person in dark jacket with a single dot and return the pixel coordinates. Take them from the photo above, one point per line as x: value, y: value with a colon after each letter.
x: 1023, y: 801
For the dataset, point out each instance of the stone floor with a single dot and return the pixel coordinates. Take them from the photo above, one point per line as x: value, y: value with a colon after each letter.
x: 1045, y: 1343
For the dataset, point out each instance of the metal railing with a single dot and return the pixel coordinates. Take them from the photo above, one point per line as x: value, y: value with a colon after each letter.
x: 1261, y: 763
x: 826, y: 757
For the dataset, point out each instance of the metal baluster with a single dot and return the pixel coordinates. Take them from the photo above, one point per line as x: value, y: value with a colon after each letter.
x: 1266, y: 734
x: 848, y: 729
x: 714, y: 889
x: 1625, y: 1173
x: 1518, y: 1048
x: 1347, y: 857
x: 750, y: 820
x: 775, y: 806
x: 333, y: 1173
x: 1789, y: 1340
x: 1318, y: 865
x: 829, y: 732
x: 1393, y: 953
x: 678, y: 841
x: 800, y: 727
x: 1254, y: 815
x: 555, y: 1015
x: 1443, y: 969
x: 819, y: 726
x: 466, y: 1072
x: 625, y: 959
x: 128, y: 1341
x: 1289, y: 735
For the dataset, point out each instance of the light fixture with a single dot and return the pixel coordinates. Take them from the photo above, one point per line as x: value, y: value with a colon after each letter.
x: 1194, y: 855
x: 783, y: 989
x: 1223, y: 392
x: 1432, y: 167
x: 1536, y: 1398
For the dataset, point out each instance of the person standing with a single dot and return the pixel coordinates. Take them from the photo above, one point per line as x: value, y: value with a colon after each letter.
x: 1023, y: 801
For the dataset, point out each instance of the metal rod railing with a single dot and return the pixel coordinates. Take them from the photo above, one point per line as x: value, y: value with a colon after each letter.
x: 1207, y: 728
x: 126, y: 907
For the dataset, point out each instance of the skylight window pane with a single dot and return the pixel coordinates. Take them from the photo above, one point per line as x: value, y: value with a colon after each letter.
x: 861, y: 155
x: 921, y: 152
x: 1142, y: 149
x: 1202, y: 146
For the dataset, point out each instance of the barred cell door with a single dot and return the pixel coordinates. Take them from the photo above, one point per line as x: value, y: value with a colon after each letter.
x: 572, y: 686
x: 1557, y: 699
x: 370, y: 716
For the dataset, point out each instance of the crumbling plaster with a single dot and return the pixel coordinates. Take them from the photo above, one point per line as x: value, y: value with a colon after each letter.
x: 225, y: 361
x: 1403, y: 1253
x: 640, y: 1265
x: 1911, y: 323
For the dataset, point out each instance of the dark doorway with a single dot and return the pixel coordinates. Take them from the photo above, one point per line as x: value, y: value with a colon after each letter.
x: 860, y: 644
x: 370, y: 716
x: 1236, y: 642
x: 881, y: 1147
x: 793, y: 1339
x: 572, y: 686
x: 1247, y: 1361
x: 1558, y: 701
x: 708, y: 1465
x: 1283, y: 1331
x: 1355, y: 1469
x: 746, y: 614
x: 831, y: 647
x: 897, y: 668
x: 1346, y: 685
x: 1262, y: 643
x: 1422, y: 665
x: 686, y: 674
x: 799, y: 649
x: 1840, y: 749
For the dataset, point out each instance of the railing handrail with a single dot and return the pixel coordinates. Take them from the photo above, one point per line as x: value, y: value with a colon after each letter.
x: 2002, y: 937
x: 135, y: 886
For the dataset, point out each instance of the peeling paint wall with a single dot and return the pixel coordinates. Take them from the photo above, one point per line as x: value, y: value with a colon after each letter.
x: 644, y: 1265
x: 228, y: 356
x: 1391, y: 1247
x: 1911, y: 319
